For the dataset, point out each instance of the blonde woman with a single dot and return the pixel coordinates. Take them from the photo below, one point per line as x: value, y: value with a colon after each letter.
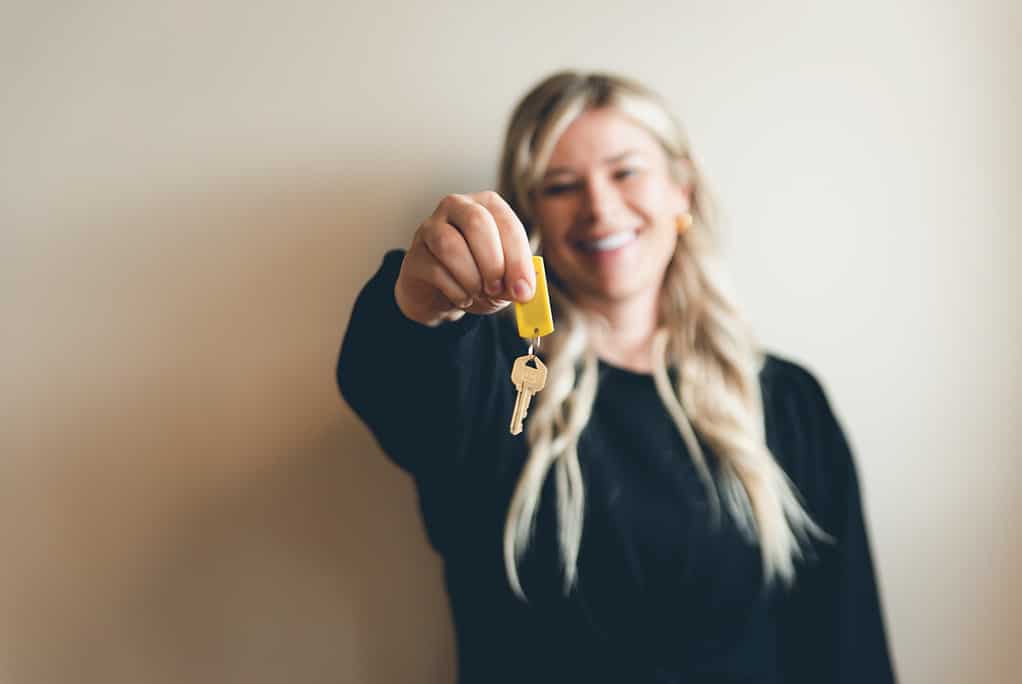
x: 682, y: 506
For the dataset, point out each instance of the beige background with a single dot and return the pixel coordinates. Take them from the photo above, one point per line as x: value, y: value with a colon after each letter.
x: 192, y: 193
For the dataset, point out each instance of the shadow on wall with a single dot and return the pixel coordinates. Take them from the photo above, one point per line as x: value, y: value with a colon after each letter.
x: 210, y: 510
x: 314, y: 571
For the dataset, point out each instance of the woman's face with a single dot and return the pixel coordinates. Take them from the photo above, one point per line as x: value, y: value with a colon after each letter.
x: 607, y: 207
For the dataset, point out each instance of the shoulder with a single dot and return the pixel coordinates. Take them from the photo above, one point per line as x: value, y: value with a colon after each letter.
x: 793, y: 392
x: 803, y: 432
x: 782, y: 374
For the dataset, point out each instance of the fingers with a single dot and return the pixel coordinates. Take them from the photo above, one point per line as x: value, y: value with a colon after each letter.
x: 474, y: 251
x: 519, y: 276
x: 449, y: 287
x: 479, y: 229
x: 447, y: 249
x: 497, y: 241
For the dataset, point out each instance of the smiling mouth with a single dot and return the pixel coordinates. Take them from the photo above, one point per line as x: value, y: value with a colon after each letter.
x: 608, y: 242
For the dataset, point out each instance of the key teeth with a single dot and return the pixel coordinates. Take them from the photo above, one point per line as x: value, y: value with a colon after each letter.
x: 517, y: 422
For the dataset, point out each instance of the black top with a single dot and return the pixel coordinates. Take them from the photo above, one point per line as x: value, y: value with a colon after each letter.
x: 660, y: 597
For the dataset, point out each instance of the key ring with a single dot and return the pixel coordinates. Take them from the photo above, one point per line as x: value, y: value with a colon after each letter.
x: 534, y: 341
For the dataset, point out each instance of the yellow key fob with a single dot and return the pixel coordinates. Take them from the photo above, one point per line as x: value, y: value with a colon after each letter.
x: 534, y: 316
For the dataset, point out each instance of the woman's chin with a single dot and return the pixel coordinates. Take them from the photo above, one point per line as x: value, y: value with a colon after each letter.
x: 611, y: 287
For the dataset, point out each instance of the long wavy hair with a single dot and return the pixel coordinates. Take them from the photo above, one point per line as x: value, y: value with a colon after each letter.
x: 701, y: 333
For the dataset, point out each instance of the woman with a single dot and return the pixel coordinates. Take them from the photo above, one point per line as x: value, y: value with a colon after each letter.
x: 701, y: 521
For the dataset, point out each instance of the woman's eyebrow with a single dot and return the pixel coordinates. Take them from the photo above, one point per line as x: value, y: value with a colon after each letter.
x: 618, y: 157
x: 607, y: 160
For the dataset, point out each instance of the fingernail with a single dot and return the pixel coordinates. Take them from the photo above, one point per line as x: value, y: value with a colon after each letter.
x: 522, y: 291
x: 495, y: 286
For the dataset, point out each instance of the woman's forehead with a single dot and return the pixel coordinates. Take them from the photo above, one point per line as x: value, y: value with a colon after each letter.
x: 600, y: 136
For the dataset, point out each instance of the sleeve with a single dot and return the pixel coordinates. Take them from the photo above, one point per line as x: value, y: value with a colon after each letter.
x: 832, y: 624
x: 424, y: 392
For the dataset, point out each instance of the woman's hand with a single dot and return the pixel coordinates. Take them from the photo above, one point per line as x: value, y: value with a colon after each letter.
x: 471, y: 254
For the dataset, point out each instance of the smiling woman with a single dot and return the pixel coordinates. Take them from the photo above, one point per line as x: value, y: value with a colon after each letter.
x: 685, y: 506
x: 607, y: 216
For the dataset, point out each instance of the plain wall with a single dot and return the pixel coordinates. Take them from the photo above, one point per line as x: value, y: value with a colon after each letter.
x: 192, y: 193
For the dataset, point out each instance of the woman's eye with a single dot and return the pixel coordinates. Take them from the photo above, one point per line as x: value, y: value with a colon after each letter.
x: 558, y: 189
x: 624, y: 173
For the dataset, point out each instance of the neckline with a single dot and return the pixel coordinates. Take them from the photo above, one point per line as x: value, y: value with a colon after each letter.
x: 626, y: 372
x: 620, y: 369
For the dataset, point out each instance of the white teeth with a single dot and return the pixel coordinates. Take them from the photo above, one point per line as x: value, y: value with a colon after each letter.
x: 612, y: 241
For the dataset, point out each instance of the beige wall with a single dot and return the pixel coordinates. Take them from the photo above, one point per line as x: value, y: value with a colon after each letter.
x: 191, y: 194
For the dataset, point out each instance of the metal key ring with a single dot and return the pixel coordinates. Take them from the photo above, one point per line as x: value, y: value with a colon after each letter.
x: 534, y: 342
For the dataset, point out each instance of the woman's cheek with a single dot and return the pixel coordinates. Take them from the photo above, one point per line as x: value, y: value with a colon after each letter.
x: 556, y: 223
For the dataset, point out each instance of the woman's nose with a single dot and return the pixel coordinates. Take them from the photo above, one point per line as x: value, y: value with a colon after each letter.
x: 602, y: 199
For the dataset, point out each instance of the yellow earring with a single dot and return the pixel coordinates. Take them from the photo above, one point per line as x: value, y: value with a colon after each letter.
x: 683, y: 222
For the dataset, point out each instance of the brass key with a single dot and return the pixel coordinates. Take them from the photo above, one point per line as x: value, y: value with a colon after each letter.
x: 528, y: 381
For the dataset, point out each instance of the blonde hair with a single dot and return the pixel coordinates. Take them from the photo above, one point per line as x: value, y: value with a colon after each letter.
x: 717, y: 391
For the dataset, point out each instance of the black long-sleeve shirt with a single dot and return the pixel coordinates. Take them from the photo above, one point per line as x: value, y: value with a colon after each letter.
x: 661, y: 596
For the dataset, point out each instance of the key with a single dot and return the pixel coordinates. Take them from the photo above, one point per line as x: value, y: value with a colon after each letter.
x: 527, y: 380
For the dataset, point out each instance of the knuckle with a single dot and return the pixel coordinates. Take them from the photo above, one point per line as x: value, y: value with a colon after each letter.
x: 526, y: 270
x: 518, y: 273
x: 491, y: 197
x: 477, y: 219
x: 488, y: 272
x: 443, y: 243
x: 449, y: 201
x: 424, y: 229
x: 426, y: 234
x: 435, y: 274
